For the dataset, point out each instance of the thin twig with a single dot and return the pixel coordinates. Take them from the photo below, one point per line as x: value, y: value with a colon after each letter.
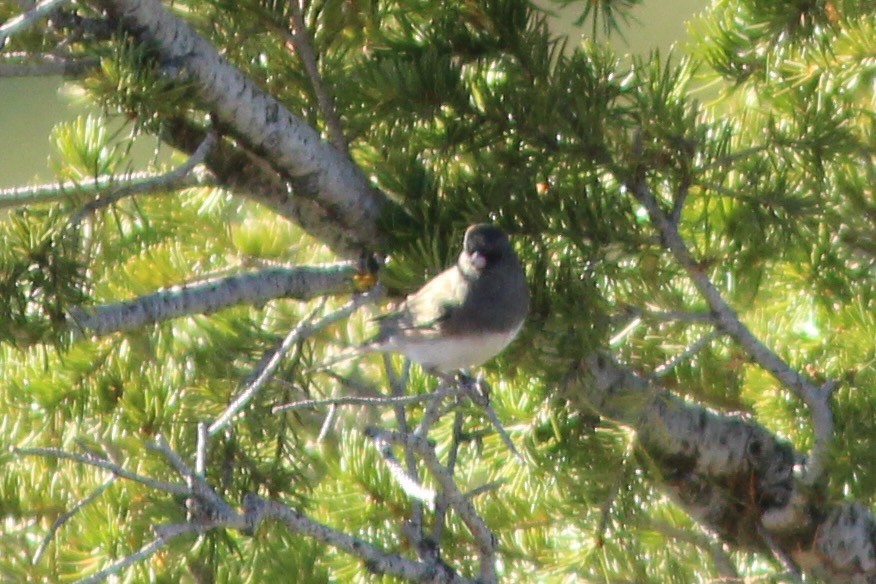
x: 45, y: 65
x: 303, y: 45
x: 25, y: 20
x: 91, y: 460
x: 166, y: 181
x: 694, y: 348
x: 377, y: 560
x: 66, y: 516
x: 479, y: 529
x: 478, y: 391
x: 139, y: 183
x: 441, y: 505
x: 201, y: 450
x: 351, y: 400
x: 410, y: 484
x: 731, y: 158
x: 164, y: 535
x: 266, y: 371
x: 302, y: 330
x: 327, y: 423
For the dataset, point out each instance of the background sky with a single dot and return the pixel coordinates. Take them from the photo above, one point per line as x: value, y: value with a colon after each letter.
x: 30, y: 107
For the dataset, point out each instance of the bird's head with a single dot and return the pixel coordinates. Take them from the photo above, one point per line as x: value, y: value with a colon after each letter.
x: 484, y: 245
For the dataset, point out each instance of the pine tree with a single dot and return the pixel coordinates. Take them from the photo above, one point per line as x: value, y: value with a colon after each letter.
x: 687, y: 402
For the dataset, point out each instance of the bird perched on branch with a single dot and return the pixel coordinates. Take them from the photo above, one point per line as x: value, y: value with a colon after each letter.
x: 465, y: 315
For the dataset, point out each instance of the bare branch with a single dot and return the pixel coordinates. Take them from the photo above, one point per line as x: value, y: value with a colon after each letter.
x: 817, y: 399
x: 304, y: 329
x: 694, y: 348
x: 91, y: 460
x: 165, y: 534
x: 368, y: 401
x: 66, y: 516
x: 164, y: 182
x: 257, y: 510
x: 24, y: 21
x: 483, y: 537
x: 265, y: 371
x: 409, y: 484
x: 254, y: 288
x: 303, y: 45
x: 137, y: 183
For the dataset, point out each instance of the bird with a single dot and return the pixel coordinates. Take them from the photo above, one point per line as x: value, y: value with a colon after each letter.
x: 464, y: 316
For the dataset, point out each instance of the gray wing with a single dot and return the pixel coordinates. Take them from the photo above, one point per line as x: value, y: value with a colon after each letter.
x: 423, y: 313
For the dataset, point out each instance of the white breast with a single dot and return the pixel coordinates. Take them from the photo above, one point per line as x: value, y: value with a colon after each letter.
x: 451, y: 354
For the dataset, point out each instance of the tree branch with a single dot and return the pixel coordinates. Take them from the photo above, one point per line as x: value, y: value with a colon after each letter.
x: 817, y: 399
x: 91, y: 460
x: 163, y: 182
x: 483, y: 537
x: 304, y: 329
x: 137, y: 183
x: 44, y: 65
x: 731, y: 474
x: 315, y: 169
x: 25, y: 20
x: 67, y: 515
x: 255, y: 288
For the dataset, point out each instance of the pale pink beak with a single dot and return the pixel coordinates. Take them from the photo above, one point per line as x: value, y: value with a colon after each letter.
x: 478, y: 260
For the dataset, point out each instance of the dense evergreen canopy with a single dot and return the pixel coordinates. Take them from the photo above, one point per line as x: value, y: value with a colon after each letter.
x: 692, y: 397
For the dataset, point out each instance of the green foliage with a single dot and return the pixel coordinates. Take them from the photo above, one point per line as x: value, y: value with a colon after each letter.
x: 461, y: 112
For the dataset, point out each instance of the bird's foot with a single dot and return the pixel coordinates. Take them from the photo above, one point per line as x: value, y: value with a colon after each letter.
x: 477, y: 388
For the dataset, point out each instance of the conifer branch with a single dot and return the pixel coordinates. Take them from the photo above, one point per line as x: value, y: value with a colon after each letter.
x: 304, y: 329
x: 695, y: 347
x: 721, y: 468
x: 379, y: 401
x: 205, y: 297
x: 167, y: 181
x: 257, y: 510
x: 817, y: 399
x: 484, y: 538
x: 314, y: 168
x: 217, y: 513
x: 165, y: 534
x: 116, y: 469
x: 409, y: 483
x: 135, y: 183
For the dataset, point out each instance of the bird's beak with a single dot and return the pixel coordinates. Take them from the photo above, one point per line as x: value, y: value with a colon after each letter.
x: 478, y: 260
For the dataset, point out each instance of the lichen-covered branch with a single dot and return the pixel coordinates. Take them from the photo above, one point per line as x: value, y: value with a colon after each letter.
x: 313, y: 167
x: 255, y: 288
x: 731, y: 474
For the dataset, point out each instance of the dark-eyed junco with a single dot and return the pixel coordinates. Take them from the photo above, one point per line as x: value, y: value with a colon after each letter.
x: 465, y: 315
